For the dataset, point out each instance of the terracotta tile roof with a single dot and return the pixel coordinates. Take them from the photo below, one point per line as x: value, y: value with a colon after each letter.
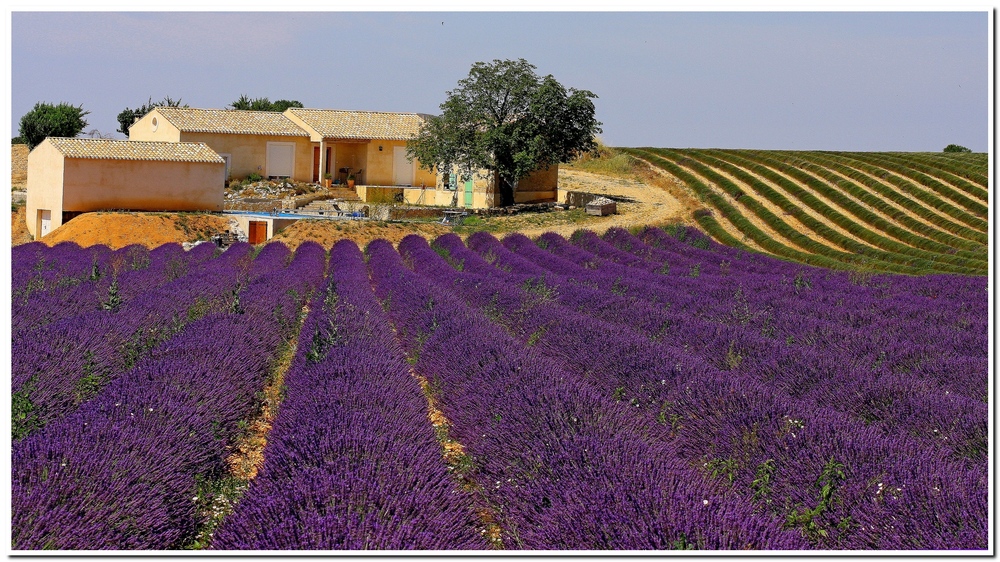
x: 232, y: 121
x: 107, y: 149
x: 374, y: 125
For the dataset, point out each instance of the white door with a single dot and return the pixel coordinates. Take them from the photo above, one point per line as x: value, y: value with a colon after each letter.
x: 402, y: 167
x: 44, y: 221
x: 280, y: 159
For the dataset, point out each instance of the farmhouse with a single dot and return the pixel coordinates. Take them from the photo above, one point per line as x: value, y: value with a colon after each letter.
x: 179, y: 159
x: 69, y: 176
x: 367, y: 148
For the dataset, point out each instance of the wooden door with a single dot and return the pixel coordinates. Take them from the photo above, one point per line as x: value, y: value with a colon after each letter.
x: 316, y: 163
x: 258, y: 232
x: 468, y: 193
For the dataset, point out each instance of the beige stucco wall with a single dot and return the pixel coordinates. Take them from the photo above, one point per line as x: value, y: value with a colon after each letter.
x: 539, y: 186
x: 142, y: 185
x: 142, y: 130
x: 380, y: 171
x: 45, y: 179
x: 249, y: 152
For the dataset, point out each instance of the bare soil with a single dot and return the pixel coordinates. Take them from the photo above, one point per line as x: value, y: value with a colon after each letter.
x: 117, y: 230
x: 18, y: 228
x: 328, y: 232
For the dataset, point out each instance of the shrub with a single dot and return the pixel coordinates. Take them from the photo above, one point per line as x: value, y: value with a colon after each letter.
x: 956, y: 148
x: 47, y: 120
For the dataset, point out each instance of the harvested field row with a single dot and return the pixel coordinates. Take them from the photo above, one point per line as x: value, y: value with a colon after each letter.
x: 842, y: 210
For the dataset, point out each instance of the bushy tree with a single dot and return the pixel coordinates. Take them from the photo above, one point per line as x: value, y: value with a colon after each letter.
x: 956, y: 148
x: 263, y: 104
x: 128, y: 116
x: 48, y: 120
x: 506, y: 119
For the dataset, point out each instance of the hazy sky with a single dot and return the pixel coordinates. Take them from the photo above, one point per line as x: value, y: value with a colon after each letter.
x: 832, y: 81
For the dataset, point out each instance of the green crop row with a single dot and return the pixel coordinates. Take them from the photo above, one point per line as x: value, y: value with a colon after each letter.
x: 751, y: 232
x: 948, y: 193
x: 962, y: 208
x: 839, y: 181
x: 955, y: 178
x: 882, y: 191
x: 882, y: 248
x: 927, y: 198
x: 973, y: 167
x: 823, y: 256
x: 908, y: 243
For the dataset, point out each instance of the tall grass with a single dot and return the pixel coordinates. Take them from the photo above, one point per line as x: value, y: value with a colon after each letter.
x: 607, y: 160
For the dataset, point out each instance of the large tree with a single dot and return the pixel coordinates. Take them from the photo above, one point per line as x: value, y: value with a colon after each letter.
x: 506, y: 119
x: 128, y: 116
x: 48, y: 120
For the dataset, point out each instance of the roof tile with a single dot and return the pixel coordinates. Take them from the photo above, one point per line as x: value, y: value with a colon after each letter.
x: 231, y: 121
x: 108, y: 149
x: 374, y: 125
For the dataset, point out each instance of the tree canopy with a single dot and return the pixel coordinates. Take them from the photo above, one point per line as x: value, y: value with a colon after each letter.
x: 263, y: 104
x: 128, y: 116
x: 506, y: 119
x: 48, y: 120
x: 956, y: 148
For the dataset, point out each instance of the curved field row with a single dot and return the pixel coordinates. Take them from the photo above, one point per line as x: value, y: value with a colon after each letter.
x: 735, y: 217
x: 874, y: 243
x: 971, y: 183
x: 878, y: 197
x: 896, y: 175
x: 966, y: 173
x: 839, y: 210
x: 855, y: 218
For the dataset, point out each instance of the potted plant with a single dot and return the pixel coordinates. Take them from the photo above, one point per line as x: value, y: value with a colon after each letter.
x: 326, y: 179
x: 350, y: 180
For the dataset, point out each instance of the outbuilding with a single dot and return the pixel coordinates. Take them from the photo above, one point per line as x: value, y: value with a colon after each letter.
x: 69, y: 176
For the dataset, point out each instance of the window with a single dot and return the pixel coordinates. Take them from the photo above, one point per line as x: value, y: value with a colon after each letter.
x: 280, y: 159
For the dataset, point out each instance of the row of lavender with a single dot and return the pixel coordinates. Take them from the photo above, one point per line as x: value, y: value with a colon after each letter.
x: 352, y: 462
x: 71, y: 340
x: 830, y: 456
x: 703, y: 397
x: 125, y: 467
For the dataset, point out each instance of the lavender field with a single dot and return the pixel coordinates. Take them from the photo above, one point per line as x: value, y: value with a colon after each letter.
x: 627, y: 391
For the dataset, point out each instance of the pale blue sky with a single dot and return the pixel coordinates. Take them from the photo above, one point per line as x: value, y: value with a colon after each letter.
x: 831, y: 81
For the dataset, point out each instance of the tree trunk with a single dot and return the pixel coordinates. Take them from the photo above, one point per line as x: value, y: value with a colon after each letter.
x: 506, y: 191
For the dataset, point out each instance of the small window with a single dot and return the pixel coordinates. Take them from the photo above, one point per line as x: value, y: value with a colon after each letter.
x: 154, y: 124
x: 451, y: 183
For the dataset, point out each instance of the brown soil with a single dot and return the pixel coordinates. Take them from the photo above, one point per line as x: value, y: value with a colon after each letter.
x: 18, y: 228
x: 117, y: 230
x: 327, y: 232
